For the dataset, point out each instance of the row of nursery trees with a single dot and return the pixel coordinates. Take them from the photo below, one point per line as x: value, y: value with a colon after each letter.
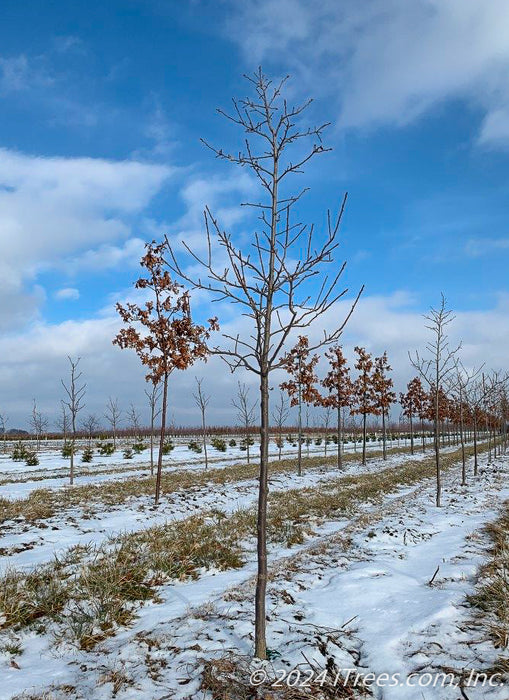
x: 271, y: 282
x: 281, y: 280
x: 466, y: 403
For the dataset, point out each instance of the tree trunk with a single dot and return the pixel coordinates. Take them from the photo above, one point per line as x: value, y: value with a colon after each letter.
x: 204, y: 438
x: 152, y: 441
x: 411, y: 434
x: 161, y: 441
x: 437, y: 447
x: 71, y: 470
x: 475, y: 448
x: 261, y: 579
x: 463, y: 460
x: 340, y: 440
x: 299, y: 430
x: 384, y: 437
x: 364, y: 418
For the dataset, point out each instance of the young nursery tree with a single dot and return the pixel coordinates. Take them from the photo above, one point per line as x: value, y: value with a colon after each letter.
x: 154, y: 396
x: 75, y: 391
x: 90, y: 425
x: 364, y: 393
x: 113, y: 416
x: 340, y: 387
x: 383, y: 394
x: 38, y: 423
x: 326, y: 419
x: 462, y: 381
x: 413, y: 404
x: 301, y: 387
x: 201, y: 399
x: 63, y: 422
x: 272, y: 279
x: 162, y: 332
x: 280, y: 414
x: 133, y: 417
x: 437, y: 370
x: 245, y: 413
x: 3, y: 429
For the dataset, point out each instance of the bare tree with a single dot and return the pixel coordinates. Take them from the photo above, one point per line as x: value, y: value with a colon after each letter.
x: 90, y: 425
x: 326, y: 419
x: 162, y: 332
x: 38, y: 423
x: 272, y: 281
x: 113, y: 416
x: 63, y: 422
x: 3, y: 428
x: 437, y: 370
x: 202, y: 401
x: 245, y: 413
x: 280, y: 414
x: 75, y: 391
x: 133, y: 417
x: 153, y: 396
x: 462, y: 381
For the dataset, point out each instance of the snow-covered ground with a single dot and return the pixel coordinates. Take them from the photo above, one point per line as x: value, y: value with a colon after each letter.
x: 357, y: 593
x: 18, y: 480
x: 24, y: 545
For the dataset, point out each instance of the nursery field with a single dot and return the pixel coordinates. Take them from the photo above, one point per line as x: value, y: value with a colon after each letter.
x: 104, y: 595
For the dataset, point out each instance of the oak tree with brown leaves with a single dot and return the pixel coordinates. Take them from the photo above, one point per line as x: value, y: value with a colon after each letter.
x: 301, y: 387
x: 340, y: 388
x: 364, y: 393
x: 384, y: 396
x: 162, y: 332
x: 414, y: 403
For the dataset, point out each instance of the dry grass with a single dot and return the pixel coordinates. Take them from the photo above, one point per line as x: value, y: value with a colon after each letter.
x: 492, y: 594
x: 89, y: 599
x: 46, y: 503
x: 92, y: 590
x: 228, y: 678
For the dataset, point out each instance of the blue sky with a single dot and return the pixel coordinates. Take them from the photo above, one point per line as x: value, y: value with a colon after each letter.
x: 103, y: 106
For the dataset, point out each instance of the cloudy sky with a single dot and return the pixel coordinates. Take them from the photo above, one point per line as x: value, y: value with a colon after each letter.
x: 102, y: 110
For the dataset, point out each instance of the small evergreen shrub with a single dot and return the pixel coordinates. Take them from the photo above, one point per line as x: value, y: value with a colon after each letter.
x: 168, y: 447
x: 31, y: 458
x: 195, y: 446
x: 138, y: 447
x: 218, y: 444
x: 88, y: 454
x: 19, y: 452
x: 107, y: 449
x: 232, y: 443
x: 128, y: 453
x: 67, y: 449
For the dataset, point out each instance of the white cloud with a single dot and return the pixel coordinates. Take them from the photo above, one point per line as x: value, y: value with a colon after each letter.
x: 67, y: 293
x: 18, y: 73
x: 477, y: 247
x: 53, y: 209
x: 106, y: 257
x: 390, y: 62
x: 38, y: 357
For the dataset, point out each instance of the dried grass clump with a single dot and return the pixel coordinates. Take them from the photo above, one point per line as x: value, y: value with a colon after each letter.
x: 228, y: 678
